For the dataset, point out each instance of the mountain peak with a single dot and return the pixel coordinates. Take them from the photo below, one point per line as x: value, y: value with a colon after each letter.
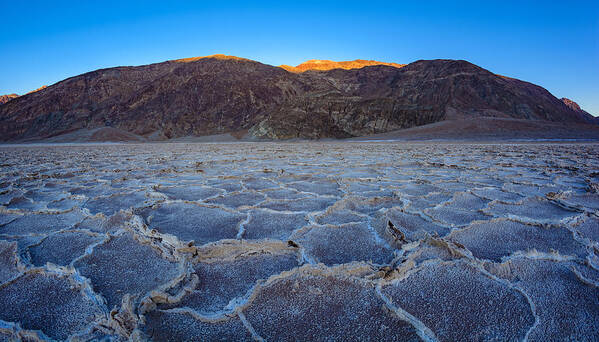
x: 216, y: 56
x: 583, y: 113
x: 573, y: 105
x: 323, y: 65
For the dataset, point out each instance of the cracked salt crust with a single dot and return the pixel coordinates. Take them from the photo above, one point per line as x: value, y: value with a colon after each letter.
x: 319, y: 241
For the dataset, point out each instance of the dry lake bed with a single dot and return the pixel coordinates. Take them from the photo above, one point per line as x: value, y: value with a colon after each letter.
x: 300, y: 241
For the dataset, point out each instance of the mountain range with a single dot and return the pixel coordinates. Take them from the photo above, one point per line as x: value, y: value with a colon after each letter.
x: 219, y: 94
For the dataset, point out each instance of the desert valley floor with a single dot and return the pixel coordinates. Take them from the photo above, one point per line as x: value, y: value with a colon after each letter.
x: 300, y: 241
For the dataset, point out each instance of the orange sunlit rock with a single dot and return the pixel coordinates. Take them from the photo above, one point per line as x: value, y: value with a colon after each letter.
x: 38, y: 89
x: 319, y: 64
x: 6, y: 98
x: 217, y: 56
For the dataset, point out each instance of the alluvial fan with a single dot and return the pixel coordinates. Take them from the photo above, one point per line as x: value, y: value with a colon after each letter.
x: 300, y: 241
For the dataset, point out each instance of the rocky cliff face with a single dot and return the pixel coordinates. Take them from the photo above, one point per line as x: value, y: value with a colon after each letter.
x: 222, y: 94
x: 378, y: 99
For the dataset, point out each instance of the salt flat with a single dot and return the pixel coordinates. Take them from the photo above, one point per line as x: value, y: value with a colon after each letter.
x: 300, y: 241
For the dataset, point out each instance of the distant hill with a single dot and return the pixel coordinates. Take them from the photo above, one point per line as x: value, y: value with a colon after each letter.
x: 6, y: 98
x: 221, y: 94
x: 575, y: 107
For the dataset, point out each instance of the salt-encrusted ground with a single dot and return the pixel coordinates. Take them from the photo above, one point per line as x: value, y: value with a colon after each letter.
x: 302, y: 241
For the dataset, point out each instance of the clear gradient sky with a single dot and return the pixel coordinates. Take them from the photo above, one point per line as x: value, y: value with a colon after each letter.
x: 553, y: 44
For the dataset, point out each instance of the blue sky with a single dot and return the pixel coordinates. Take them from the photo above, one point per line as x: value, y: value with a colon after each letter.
x: 555, y: 45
